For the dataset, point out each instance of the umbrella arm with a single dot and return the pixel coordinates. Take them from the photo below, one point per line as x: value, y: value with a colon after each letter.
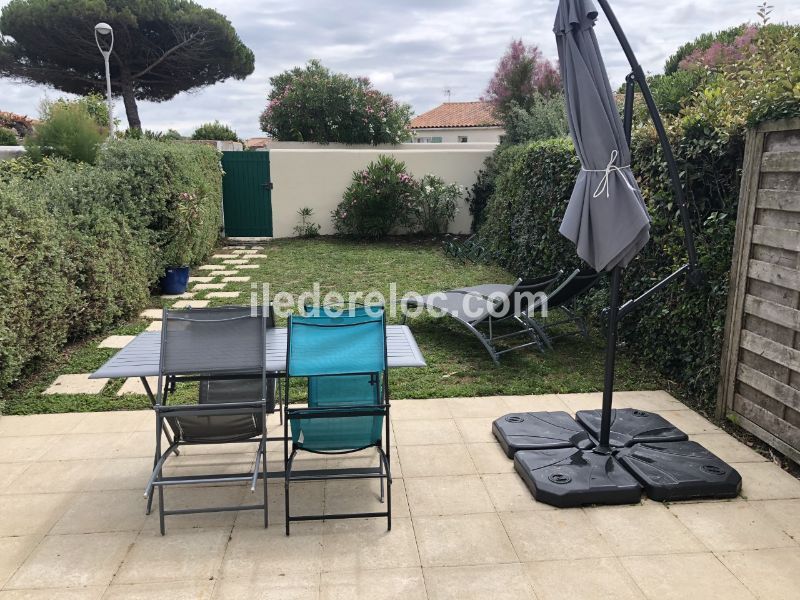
x: 633, y: 304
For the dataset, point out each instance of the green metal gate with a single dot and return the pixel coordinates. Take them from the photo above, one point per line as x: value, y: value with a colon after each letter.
x: 247, y: 194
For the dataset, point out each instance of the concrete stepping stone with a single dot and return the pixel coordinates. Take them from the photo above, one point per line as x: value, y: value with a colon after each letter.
x: 200, y: 279
x: 247, y: 266
x: 182, y: 296
x: 76, y: 384
x: 133, y: 385
x: 154, y: 326
x: 116, y: 341
x: 208, y: 267
x: 257, y: 256
x: 215, y: 256
x: 151, y: 313
x: 190, y: 304
x: 235, y: 279
x: 223, y: 294
x: 224, y: 273
x: 235, y: 261
x: 209, y: 286
x: 245, y: 251
x: 228, y: 248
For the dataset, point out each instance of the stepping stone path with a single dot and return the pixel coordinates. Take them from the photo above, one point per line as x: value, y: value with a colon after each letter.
x: 235, y: 279
x: 209, y: 286
x: 116, y: 341
x: 200, y: 279
x: 208, y: 268
x: 190, y: 304
x: 223, y: 294
x: 247, y: 267
x: 151, y: 313
x: 133, y: 385
x: 221, y: 256
x: 76, y: 384
x: 234, y: 261
x: 182, y: 296
x: 223, y: 273
x: 154, y: 326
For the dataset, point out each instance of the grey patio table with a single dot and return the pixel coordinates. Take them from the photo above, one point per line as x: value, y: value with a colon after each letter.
x: 140, y: 357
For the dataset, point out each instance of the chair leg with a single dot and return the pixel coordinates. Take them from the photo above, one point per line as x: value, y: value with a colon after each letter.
x: 380, y: 470
x: 161, y: 508
x: 266, y: 502
x: 288, y: 475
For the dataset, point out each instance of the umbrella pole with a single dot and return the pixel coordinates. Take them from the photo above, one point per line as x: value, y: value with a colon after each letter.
x: 611, y: 355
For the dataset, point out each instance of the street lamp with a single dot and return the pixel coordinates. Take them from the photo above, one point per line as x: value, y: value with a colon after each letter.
x: 104, y: 29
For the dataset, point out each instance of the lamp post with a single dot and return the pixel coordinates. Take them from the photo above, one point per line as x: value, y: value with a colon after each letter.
x: 104, y: 29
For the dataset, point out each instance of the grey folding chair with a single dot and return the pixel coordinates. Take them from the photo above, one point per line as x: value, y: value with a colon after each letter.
x: 223, y: 349
x: 481, y: 308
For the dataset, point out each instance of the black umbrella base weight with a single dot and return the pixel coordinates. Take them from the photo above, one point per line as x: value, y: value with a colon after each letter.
x: 569, y: 477
x: 557, y: 459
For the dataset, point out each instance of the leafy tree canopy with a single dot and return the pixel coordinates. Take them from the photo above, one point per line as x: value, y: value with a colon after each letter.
x: 161, y: 47
x: 312, y: 104
x: 215, y: 131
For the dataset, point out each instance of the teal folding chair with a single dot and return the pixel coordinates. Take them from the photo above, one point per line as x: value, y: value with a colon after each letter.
x: 344, y: 358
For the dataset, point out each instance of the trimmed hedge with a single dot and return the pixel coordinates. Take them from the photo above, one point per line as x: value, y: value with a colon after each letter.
x: 83, y: 245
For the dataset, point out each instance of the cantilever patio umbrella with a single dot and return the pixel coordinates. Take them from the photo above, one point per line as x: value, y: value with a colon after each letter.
x: 608, y: 456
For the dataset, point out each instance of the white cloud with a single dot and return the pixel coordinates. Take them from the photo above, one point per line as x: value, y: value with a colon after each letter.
x: 412, y: 48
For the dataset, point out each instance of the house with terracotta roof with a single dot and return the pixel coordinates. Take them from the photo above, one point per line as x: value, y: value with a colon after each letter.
x: 458, y: 122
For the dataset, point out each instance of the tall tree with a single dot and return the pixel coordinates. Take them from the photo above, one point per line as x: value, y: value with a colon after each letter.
x: 521, y: 75
x: 161, y: 47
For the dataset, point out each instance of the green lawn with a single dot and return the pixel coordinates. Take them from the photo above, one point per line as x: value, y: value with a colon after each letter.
x: 457, y: 363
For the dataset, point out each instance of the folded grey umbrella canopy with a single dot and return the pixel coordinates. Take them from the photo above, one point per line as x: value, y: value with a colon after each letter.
x: 606, y: 217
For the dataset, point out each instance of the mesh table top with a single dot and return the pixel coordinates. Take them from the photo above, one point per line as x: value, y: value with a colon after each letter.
x: 140, y: 357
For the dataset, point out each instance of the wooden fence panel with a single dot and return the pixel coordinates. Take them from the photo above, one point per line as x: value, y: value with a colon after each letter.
x: 760, y: 378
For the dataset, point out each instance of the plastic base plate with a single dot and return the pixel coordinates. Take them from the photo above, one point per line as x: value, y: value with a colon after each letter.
x: 538, y: 430
x: 631, y: 426
x: 680, y: 471
x: 567, y: 477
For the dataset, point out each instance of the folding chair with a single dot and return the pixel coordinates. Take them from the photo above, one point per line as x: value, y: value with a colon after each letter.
x: 224, y: 350
x: 480, y: 308
x: 344, y: 358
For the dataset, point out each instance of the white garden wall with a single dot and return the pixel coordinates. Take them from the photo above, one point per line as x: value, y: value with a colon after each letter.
x: 317, y: 177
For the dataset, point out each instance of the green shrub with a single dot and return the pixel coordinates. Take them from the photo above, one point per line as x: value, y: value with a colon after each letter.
x: 68, y: 131
x: 7, y: 137
x: 93, y: 104
x: 671, y: 92
x: 701, y: 43
x: 545, y: 118
x: 481, y: 191
x: 24, y: 167
x: 306, y: 228
x: 215, y: 131
x: 378, y: 199
x: 436, y: 204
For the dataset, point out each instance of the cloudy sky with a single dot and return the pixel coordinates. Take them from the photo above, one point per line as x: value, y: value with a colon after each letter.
x: 413, y: 49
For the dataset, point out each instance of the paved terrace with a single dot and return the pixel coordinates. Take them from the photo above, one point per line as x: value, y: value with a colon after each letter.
x: 73, y: 526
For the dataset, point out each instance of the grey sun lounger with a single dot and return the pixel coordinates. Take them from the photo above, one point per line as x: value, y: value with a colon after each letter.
x: 480, y: 308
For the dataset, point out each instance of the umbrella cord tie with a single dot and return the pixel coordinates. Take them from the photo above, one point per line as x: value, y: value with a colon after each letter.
x: 610, y: 167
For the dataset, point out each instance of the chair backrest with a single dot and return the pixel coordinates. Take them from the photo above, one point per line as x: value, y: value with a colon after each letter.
x: 214, y: 341
x: 524, y: 293
x: 323, y: 344
x: 575, y: 285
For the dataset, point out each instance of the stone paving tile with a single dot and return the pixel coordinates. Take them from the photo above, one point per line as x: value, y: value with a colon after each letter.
x: 300, y: 552
x: 174, y: 590
x: 266, y: 586
x: 223, y: 294
x: 235, y: 261
x: 220, y: 256
x: 154, y: 326
x: 455, y: 495
x: 786, y: 513
x: 180, y: 555
x: 767, y: 481
x: 151, y: 313
x: 584, y: 578
x: 209, y: 286
x: 14, y: 552
x: 727, y: 447
x: 190, y: 304
x: 552, y: 535
x: 419, y: 409
x: 769, y: 574
x: 76, y: 384
x: 116, y: 341
x: 86, y: 593
x: 46, y: 424
x: 53, y: 476
x: 435, y: 460
x: 256, y: 256
x: 25, y: 449
x: 489, y: 458
x: 62, y: 561
x: 244, y: 251
x: 384, y: 584
x: 426, y: 431
x: 457, y: 540
x: 134, y: 385
x: 100, y: 512
x: 477, y: 583
x: 183, y: 296
x: 683, y: 576
x: 224, y: 273
x: 31, y: 513
x: 235, y: 279
x: 207, y: 268
x: 248, y: 267
x: 362, y: 544
x: 194, y: 279
x: 545, y: 402
x: 723, y: 526
x: 509, y: 493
